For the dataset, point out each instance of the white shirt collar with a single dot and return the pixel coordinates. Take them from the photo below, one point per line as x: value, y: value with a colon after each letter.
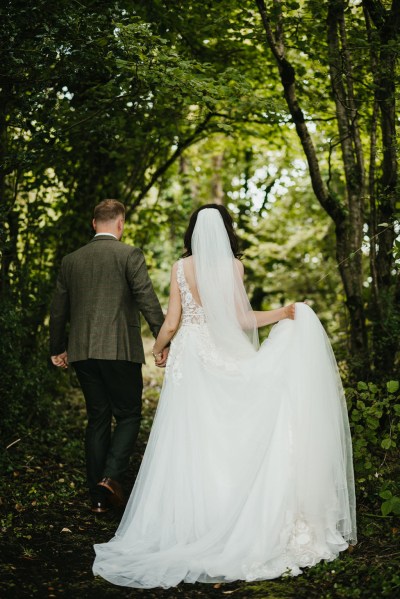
x: 109, y: 234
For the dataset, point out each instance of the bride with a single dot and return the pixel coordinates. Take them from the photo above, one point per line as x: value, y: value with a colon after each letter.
x: 248, y: 470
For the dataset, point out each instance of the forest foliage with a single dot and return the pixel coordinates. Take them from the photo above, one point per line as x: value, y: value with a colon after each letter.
x: 285, y: 111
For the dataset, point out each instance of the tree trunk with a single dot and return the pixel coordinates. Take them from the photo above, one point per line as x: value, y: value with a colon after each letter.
x: 387, y: 24
x: 349, y: 240
x: 348, y: 223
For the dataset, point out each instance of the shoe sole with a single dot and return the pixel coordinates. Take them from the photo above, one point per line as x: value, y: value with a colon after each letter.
x: 99, y: 510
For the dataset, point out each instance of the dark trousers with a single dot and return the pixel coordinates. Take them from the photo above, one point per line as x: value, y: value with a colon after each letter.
x: 111, y: 388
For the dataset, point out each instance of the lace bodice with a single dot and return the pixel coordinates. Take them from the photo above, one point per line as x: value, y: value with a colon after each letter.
x: 192, y: 313
x: 194, y: 326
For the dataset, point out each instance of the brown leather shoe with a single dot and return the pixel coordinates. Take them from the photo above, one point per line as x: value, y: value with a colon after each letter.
x: 117, y: 497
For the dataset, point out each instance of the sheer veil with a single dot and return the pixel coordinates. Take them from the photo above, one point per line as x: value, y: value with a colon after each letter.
x: 230, y: 319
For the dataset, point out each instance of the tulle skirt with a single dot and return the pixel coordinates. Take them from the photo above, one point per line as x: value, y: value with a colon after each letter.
x: 248, y: 470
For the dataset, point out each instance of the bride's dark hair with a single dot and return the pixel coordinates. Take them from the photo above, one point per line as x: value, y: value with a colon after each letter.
x: 228, y: 222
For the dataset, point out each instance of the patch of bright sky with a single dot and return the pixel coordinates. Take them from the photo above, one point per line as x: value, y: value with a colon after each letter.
x: 262, y: 176
x: 311, y: 126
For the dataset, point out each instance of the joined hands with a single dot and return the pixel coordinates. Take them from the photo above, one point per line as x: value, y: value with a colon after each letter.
x: 61, y: 360
x: 160, y: 358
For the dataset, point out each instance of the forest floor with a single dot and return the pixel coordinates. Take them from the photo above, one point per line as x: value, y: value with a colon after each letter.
x: 48, y: 531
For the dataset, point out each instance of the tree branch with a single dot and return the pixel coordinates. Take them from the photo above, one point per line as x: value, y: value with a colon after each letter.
x: 164, y: 167
x: 288, y: 78
x: 354, y: 126
x: 352, y: 174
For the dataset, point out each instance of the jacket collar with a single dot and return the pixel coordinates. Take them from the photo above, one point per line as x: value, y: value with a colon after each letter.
x: 103, y: 238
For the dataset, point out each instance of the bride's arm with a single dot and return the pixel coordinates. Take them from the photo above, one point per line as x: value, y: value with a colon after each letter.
x: 270, y: 316
x: 173, y: 317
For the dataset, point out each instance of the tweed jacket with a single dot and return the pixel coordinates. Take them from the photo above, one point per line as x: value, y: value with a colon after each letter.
x: 101, y: 290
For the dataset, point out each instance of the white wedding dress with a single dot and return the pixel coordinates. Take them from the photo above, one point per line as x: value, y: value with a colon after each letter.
x: 248, y: 470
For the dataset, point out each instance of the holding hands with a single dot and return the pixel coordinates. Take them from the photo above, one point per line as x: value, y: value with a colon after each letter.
x: 61, y: 360
x: 160, y: 358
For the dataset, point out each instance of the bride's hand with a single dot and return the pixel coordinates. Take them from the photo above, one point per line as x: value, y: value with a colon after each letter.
x: 289, y: 311
x: 160, y: 358
x: 161, y: 361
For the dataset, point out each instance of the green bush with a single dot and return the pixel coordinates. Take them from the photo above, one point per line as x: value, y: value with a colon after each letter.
x: 27, y: 381
x: 374, y: 413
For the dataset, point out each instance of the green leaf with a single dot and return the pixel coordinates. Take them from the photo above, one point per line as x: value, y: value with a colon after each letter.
x: 392, y: 386
x: 385, y: 494
x: 386, y: 443
x: 102, y: 41
x: 386, y: 507
x: 362, y: 386
x: 373, y: 423
x: 391, y: 505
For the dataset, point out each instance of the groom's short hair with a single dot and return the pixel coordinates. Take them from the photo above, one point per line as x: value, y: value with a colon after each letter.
x: 108, y: 210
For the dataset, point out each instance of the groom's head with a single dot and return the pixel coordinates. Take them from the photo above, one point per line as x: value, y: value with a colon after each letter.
x: 109, y: 217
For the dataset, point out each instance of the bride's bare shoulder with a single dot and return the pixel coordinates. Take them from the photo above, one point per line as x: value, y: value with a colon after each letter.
x: 187, y: 262
x: 174, y: 268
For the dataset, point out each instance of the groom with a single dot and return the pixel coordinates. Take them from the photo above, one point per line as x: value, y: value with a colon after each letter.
x: 101, y: 289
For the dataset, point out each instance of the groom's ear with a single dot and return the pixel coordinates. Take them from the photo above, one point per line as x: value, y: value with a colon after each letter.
x: 94, y: 224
